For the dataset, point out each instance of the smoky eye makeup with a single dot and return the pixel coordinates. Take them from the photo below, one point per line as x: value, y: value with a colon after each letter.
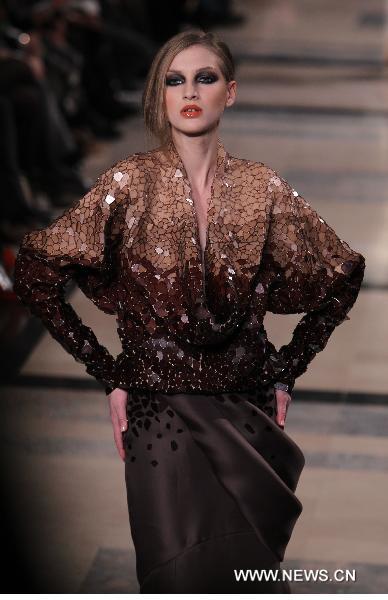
x: 202, y: 77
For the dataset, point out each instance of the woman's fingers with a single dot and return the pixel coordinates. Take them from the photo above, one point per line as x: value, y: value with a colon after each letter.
x: 120, y: 425
x: 283, y: 400
x: 119, y: 420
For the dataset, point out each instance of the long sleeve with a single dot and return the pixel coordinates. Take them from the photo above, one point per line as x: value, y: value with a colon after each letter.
x: 310, y: 270
x: 76, y: 245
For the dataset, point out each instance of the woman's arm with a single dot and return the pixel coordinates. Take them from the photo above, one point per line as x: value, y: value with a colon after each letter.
x: 75, y: 246
x: 311, y: 270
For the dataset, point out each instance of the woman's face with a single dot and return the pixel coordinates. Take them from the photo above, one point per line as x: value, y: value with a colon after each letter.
x: 194, y: 78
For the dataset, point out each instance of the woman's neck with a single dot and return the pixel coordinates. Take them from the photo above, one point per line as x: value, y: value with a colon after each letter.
x: 199, y: 156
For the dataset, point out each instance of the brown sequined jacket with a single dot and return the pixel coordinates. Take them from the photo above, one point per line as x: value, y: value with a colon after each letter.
x: 187, y: 323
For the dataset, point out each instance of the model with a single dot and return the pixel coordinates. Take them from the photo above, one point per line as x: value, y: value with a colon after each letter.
x: 190, y: 246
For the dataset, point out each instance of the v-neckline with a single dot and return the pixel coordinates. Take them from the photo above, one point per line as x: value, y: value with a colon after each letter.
x: 180, y: 171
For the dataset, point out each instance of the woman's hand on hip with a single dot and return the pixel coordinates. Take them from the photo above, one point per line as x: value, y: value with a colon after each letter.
x: 118, y: 414
x: 283, y: 400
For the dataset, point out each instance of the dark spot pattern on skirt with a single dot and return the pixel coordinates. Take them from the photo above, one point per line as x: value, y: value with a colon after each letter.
x: 147, y: 411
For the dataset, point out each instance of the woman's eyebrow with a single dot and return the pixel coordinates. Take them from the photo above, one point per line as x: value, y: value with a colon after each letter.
x: 180, y: 72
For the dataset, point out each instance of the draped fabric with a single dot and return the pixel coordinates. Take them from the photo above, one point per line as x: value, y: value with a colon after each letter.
x: 211, y: 485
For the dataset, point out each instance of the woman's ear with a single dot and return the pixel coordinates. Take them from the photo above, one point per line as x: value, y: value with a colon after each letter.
x: 231, y: 97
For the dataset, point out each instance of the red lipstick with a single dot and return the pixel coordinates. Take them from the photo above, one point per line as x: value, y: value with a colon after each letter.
x: 191, y: 111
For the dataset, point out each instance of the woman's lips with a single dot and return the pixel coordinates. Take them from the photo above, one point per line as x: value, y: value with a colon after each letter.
x: 191, y: 114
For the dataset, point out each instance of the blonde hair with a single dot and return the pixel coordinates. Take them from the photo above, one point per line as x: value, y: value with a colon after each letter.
x: 153, y: 104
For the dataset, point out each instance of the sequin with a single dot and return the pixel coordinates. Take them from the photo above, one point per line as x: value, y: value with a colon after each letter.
x: 190, y: 321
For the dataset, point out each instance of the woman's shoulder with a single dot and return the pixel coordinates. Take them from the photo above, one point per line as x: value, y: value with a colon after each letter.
x: 123, y: 165
x: 255, y: 170
x: 137, y: 164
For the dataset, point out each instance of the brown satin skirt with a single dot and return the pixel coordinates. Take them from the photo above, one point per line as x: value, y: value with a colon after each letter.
x: 210, y: 485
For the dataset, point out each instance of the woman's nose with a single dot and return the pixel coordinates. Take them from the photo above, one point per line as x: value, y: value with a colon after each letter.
x: 190, y: 94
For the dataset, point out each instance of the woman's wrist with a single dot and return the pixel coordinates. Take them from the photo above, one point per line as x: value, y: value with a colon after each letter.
x: 109, y: 390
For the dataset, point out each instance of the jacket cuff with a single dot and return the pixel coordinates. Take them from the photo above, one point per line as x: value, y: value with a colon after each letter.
x: 104, y: 371
x: 288, y: 380
x: 276, y: 369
